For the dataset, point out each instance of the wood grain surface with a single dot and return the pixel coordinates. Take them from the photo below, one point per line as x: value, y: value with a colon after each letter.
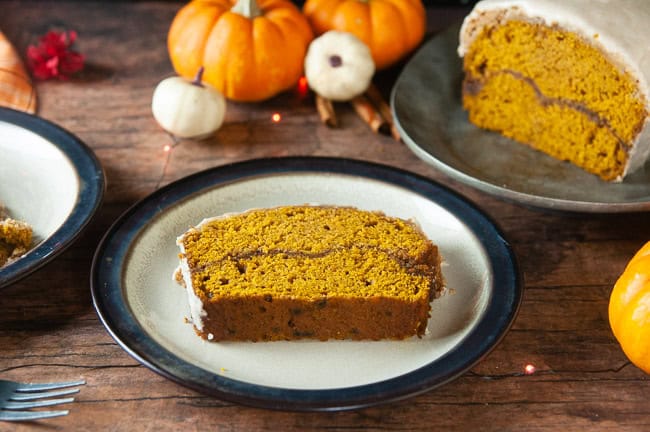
x: 50, y: 331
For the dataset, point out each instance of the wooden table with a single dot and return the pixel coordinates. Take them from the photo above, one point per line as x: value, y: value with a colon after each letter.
x: 50, y: 331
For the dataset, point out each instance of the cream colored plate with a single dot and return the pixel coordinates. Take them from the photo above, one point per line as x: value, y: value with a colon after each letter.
x: 48, y: 179
x: 145, y: 309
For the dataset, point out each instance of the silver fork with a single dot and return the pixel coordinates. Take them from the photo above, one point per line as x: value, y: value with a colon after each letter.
x: 17, y: 398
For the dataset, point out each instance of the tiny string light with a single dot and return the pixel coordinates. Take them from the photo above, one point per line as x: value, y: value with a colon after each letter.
x: 303, y: 86
x: 276, y: 117
x: 529, y: 369
x: 167, y: 150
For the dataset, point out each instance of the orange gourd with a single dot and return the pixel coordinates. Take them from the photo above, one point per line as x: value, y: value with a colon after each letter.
x: 629, y: 309
x: 16, y: 89
x: 251, y: 50
x: 390, y: 28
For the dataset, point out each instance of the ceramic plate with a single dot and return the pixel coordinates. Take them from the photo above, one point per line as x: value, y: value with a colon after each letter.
x: 426, y: 103
x: 145, y: 310
x: 49, y: 179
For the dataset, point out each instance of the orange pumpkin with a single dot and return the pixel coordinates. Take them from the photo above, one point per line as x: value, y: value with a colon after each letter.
x: 629, y: 309
x: 250, y: 51
x: 390, y: 28
x: 16, y: 89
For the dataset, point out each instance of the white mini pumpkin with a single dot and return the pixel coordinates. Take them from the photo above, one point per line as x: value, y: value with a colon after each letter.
x: 188, y: 109
x: 339, y: 66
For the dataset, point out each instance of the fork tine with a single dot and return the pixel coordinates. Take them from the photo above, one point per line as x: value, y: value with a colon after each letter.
x: 30, y: 415
x: 35, y: 404
x: 27, y: 387
x: 22, y: 396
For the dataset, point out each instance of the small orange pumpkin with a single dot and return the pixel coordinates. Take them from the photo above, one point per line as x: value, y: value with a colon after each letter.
x: 629, y: 309
x: 390, y: 28
x: 16, y: 91
x: 251, y: 50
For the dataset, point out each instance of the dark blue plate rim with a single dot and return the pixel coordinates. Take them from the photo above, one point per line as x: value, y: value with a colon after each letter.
x: 91, y: 192
x: 109, y: 299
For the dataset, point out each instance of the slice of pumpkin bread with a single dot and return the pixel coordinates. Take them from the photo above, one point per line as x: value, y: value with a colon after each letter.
x: 308, y: 272
x: 566, y: 77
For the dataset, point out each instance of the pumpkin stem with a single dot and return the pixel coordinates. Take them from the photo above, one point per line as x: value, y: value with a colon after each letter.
x: 198, y: 79
x: 247, y: 8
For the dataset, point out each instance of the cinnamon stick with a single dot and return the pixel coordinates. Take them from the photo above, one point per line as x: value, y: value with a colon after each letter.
x: 366, y: 110
x: 384, y: 109
x: 326, y: 111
